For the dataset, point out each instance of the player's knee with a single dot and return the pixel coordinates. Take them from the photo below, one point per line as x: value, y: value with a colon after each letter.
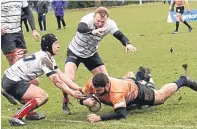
x: 44, y: 97
x: 162, y: 97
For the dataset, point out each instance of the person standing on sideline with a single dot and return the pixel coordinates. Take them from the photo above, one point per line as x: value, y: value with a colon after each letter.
x: 58, y: 6
x: 42, y: 9
x: 179, y: 14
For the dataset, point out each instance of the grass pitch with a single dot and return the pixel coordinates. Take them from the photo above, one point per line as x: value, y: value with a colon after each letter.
x: 147, y: 29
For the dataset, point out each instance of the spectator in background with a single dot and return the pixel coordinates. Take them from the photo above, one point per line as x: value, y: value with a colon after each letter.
x: 59, y: 6
x: 42, y: 9
x: 24, y: 19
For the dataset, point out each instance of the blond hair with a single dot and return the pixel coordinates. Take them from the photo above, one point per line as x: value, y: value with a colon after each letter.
x: 102, y: 11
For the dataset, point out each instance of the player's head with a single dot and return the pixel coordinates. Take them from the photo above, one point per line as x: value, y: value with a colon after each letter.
x: 100, y: 17
x: 50, y: 44
x: 101, y: 82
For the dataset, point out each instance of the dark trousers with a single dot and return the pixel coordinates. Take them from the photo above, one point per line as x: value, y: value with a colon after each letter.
x: 42, y: 19
x: 59, y: 19
x: 26, y: 24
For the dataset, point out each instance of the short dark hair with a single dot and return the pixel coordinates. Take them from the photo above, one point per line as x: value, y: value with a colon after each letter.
x: 102, y: 11
x: 100, y: 80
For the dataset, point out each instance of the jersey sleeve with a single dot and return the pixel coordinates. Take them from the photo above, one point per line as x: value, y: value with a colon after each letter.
x: 24, y: 3
x: 47, y: 66
x: 117, y: 100
x: 88, y: 88
x: 54, y: 64
x: 112, y: 26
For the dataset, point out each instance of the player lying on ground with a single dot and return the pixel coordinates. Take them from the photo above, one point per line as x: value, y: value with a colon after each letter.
x: 16, y: 80
x: 121, y: 93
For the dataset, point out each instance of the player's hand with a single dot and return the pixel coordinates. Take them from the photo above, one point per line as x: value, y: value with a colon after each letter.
x: 93, y: 118
x: 78, y: 95
x: 99, y: 32
x: 89, y: 102
x: 129, y: 48
x: 36, y: 35
x: 3, y: 31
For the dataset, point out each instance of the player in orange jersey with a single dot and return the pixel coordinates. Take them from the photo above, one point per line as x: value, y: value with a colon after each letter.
x: 121, y: 93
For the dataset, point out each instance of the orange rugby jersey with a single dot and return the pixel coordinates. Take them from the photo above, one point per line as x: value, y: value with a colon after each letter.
x: 121, y: 92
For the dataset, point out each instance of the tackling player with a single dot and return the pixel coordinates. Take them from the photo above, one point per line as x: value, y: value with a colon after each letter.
x: 13, y: 43
x: 16, y: 80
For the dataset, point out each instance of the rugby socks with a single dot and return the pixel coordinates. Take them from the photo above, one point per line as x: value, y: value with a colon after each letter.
x: 185, y: 22
x: 180, y: 82
x: 29, y: 113
x: 65, y: 99
x: 28, y: 107
x: 177, y: 26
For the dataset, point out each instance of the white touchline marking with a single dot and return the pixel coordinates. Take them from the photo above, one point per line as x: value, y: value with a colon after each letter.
x: 117, y: 123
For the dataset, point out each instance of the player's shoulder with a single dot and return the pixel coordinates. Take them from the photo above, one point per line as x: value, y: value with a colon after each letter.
x: 89, y: 16
x: 41, y: 54
x: 116, y: 84
x: 110, y: 21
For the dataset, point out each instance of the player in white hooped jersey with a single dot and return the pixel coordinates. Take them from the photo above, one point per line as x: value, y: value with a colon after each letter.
x: 13, y: 43
x: 16, y: 80
x: 83, y: 47
x: 31, y: 67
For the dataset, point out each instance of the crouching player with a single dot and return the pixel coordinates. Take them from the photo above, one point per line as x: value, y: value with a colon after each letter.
x: 121, y: 93
x: 16, y: 80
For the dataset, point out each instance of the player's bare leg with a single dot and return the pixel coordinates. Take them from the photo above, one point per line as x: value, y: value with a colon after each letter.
x: 178, y: 16
x: 12, y: 57
x: 168, y: 90
x: 70, y: 70
x: 99, y: 69
x: 36, y: 97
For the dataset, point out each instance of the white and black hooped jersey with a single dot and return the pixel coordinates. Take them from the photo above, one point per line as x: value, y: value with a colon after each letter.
x: 11, y: 14
x: 85, y: 45
x: 31, y: 67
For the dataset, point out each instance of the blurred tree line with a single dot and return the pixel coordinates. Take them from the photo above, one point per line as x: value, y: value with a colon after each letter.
x: 87, y: 4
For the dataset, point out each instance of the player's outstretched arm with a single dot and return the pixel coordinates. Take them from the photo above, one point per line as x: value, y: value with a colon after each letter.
x: 119, y: 113
x: 68, y: 81
x: 125, y: 41
x: 61, y: 85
